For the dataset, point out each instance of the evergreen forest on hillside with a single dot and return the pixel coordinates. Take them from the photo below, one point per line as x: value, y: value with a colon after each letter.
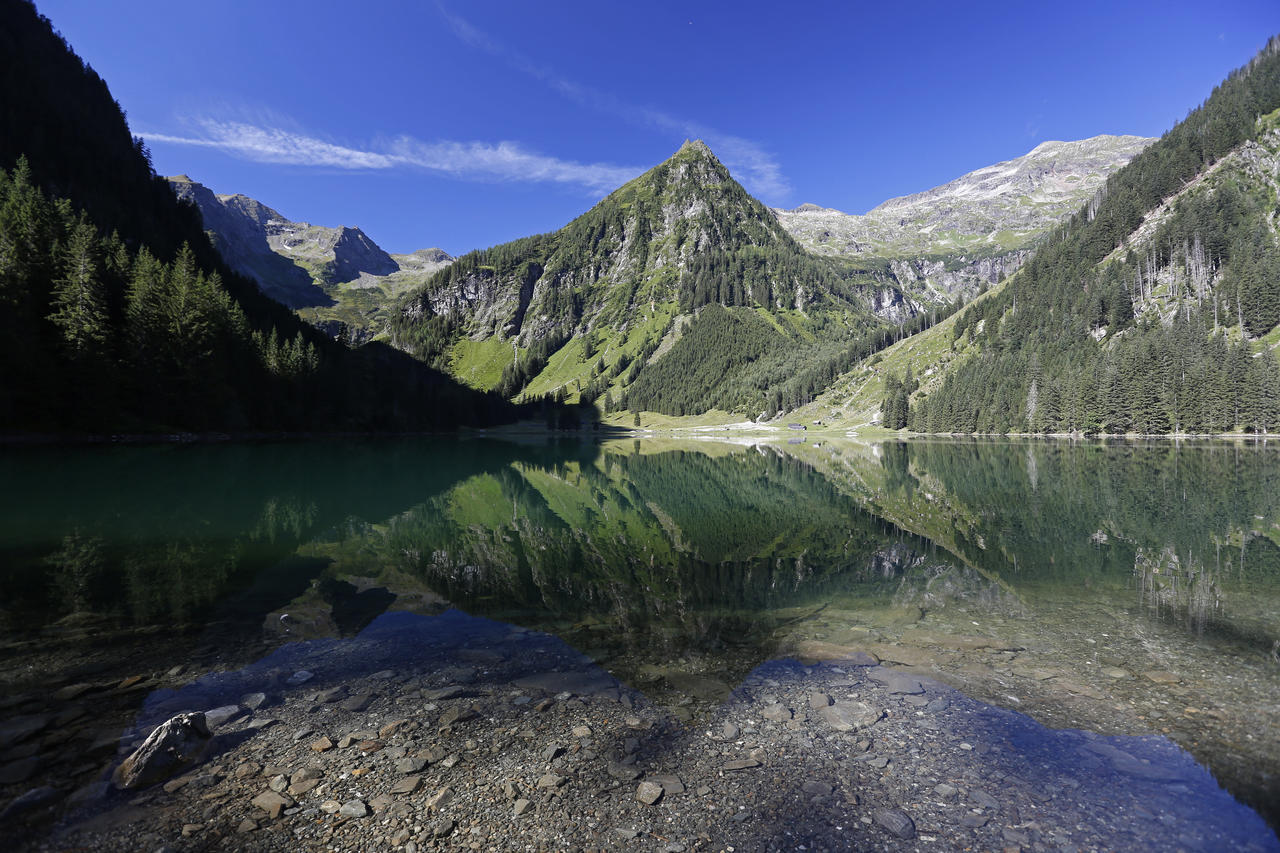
x: 117, y: 313
x: 1174, y: 318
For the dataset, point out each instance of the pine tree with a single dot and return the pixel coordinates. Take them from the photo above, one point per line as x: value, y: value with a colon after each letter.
x: 80, y: 308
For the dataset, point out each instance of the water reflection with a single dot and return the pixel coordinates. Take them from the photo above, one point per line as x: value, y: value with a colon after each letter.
x: 1122, y: 589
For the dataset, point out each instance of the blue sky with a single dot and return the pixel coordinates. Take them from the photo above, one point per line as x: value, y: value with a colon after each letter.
x: 463, y: 125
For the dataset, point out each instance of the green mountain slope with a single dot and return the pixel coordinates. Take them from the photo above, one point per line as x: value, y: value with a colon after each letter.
x: 680, y: 264
x: 1153, y: 311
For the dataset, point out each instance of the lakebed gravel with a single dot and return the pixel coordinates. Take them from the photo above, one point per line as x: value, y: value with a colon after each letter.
x: 453, y: 732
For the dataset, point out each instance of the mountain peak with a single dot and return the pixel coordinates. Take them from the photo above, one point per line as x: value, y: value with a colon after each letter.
x: 695, y: 145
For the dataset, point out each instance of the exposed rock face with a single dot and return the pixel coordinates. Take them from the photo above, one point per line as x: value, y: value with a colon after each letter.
x: 303, y: 265
x: 175, y: 745
x: 973, y: 230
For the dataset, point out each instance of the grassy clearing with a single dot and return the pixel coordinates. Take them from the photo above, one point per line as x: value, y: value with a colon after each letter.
x: 480, y: 363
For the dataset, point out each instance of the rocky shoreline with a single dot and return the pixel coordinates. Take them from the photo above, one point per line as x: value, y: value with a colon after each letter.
x: 454, y: 732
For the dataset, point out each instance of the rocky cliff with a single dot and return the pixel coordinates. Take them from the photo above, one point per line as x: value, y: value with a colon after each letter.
x: 337, y: 278
x: 954, y: 238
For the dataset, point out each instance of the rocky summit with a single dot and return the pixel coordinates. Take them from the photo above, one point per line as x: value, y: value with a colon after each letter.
x: 331, y: 276
x: 977, y: 228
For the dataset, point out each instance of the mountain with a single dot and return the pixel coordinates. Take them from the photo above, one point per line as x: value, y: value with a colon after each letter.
x: 116, y: 312
x: 972, y: 231
x: 1154, y: 310
x: 679, y: 266
x: 335, y: 278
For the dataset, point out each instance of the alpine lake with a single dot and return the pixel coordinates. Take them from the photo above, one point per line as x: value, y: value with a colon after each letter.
x: 549, y: 643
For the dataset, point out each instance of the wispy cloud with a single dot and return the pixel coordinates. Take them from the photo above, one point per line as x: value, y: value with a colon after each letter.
x: 748, y: 160
x: 502, y: 161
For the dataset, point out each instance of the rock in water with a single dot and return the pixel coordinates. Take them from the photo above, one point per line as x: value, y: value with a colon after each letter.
x: 850, y: 716
x: 896, y: 823
x: 177, y: 744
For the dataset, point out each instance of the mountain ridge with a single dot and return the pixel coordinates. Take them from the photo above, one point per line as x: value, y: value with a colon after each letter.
x: 587, y: 309
x: 327, y: 274
x: 973, y: 230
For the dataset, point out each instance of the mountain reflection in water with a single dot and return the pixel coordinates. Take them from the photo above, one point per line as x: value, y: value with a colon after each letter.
x: 1124, y: 589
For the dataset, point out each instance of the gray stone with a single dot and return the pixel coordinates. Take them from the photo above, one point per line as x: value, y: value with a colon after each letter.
x: 33, y: 799
x: 456, y: 715
x: 253, y: 701
x: 273, y: 802
x: 218, y: 716
x: 176, y: 744
x: 306, y: 774
x: 552, y: 752
x: 777, y: 712
x: 407, y: 785
x: 551, y: 780
x: 945, y: 790
x: 815, y: 788
x: 439, y: 798
x: 411, y: 765
x: 729, y: 731
x: 649, y: 792
x: 453, y: 691
x: 741, y: 764
x: 302, y: 676
x: 896, y: 681
x: 936, y: 705
x: 356, y: 703
x: 354, y: 808
x: 670, y: 782
x: 975, y: 821
x: 441, y: 828
x: 895, y: 822
x: 521, y: 806
x: 850, y: 716
x: 306, y: 786
x: 984, y: 799
x: 20, y: 728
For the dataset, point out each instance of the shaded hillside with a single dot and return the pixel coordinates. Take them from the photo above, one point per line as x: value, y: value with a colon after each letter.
x: 117, y: 313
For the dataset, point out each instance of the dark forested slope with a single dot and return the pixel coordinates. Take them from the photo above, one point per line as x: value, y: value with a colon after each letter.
x: 115, y: 311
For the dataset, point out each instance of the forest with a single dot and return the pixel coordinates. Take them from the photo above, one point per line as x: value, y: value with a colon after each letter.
x: 1100, y: 333
x: 116, y: 313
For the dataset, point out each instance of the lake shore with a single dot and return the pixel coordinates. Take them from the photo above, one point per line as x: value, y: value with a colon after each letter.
x: 456, y: 732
